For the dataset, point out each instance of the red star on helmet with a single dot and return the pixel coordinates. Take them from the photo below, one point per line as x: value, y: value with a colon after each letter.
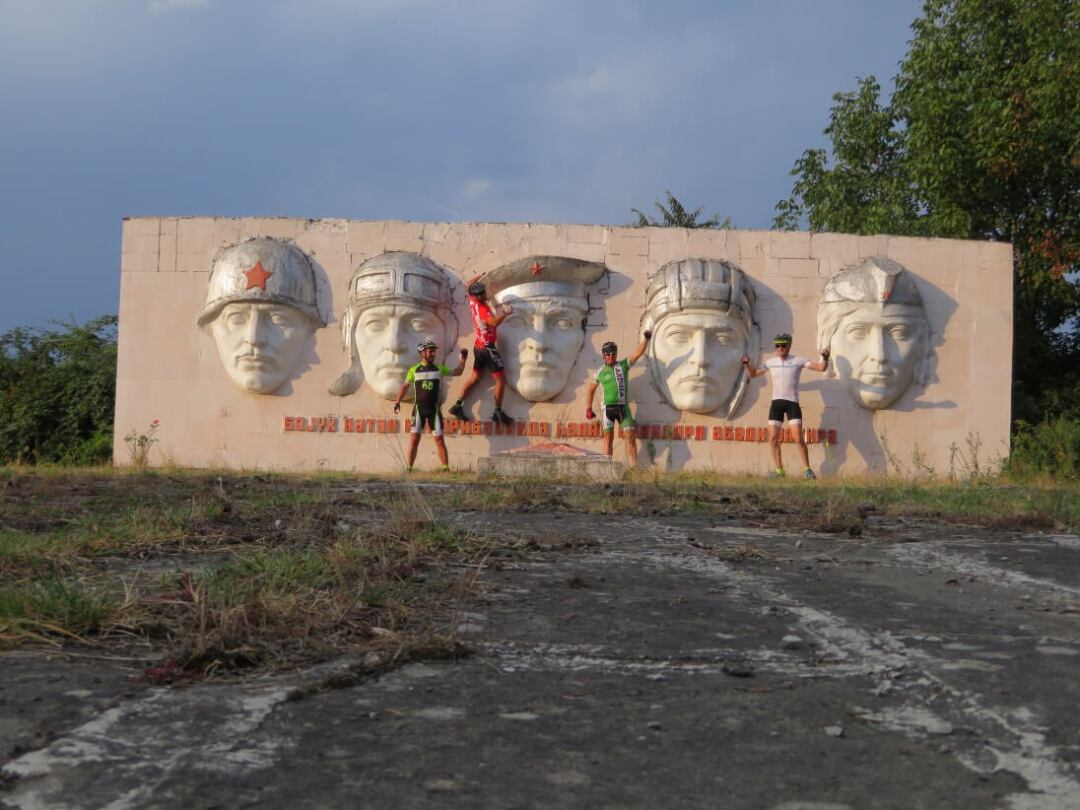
x: 536, y: 268
x: 256, y: 277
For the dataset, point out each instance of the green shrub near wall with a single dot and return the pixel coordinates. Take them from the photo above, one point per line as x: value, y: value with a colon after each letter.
x: 1050, y: 449
x: 57, y: 393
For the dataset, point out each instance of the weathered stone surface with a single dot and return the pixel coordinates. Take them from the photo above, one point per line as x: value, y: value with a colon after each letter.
x: 624, y: 692
x: 171, y: 372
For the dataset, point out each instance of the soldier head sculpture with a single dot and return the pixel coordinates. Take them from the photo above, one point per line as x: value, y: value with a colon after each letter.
x: 872, y: 318
x: 396, y: 299
x: 701, y: 313
x: 261, y: 308
x: 540, y: 341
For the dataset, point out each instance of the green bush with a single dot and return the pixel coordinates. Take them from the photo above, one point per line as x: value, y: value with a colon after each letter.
x: 57, y: 389
x: 1049, y: 449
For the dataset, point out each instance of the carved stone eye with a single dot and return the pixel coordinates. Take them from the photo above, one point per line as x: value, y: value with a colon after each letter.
x: 723, y: 337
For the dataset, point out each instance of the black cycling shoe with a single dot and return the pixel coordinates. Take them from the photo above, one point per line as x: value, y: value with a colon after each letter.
x: 500, y: 416
x: 458, y: 412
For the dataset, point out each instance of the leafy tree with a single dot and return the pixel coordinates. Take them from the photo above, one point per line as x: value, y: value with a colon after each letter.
x: 57, y: 389
x: 675, y: 215
x: 980, y: 140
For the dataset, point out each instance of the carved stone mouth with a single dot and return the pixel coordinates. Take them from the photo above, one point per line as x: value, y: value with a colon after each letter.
x: 255, y: 361
x: 695, y: 382
x: 876, y: 379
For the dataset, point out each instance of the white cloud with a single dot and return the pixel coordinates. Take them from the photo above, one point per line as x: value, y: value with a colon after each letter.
x: 642, y: 79
x: 475, y: 187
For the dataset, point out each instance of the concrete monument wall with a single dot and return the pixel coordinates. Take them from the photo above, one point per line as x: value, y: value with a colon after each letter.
x: 280, y: 344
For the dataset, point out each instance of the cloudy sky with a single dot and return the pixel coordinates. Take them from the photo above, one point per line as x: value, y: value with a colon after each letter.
x: 499, y: 110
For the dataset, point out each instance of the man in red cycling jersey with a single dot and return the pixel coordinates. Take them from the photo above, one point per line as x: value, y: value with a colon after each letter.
x: 485, y: 354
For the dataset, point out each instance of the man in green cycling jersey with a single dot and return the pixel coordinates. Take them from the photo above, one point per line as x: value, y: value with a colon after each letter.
x: 614, y: 378
x: 426, y: 379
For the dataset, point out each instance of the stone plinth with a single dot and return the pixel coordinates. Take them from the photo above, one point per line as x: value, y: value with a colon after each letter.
x: 551, y: 461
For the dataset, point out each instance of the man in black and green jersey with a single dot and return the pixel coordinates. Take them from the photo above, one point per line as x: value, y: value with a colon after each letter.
x: 614, y: 378
x: 426, y: 379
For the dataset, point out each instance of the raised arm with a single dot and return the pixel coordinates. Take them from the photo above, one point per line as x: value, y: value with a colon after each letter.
x: 495, y: 320
x: 823, y: 364
x: 459, y: 370
x: 752, y: 370
x: 640, y: 350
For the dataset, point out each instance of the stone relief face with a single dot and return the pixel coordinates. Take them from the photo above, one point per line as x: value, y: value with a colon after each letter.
x: 696, y: 358
x: 260, y: 345
x: 261, y: 308
x: 396, y: 299
x: 876, y: 350
x: 701, y: 313
x: 540, y: 342
x: 872, y: 318
x: 386, y: 339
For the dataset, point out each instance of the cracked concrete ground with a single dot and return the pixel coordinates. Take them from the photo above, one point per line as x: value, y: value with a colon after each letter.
x: 674, y: 661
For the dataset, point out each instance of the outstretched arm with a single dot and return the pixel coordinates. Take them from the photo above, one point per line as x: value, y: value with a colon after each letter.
x: 640, y: 350
x: 589, y: 393
x: 495, y: 320
x: 460, y: 369
x: 823, y: 364
x: 751, y: 370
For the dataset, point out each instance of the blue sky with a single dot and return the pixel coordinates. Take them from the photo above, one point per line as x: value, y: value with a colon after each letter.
x: 498, y: 110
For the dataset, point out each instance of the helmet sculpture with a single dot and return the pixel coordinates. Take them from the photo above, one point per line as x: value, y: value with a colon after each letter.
x: 542, y: 338
x: 262, y: 271
x: 261, y: 309
x: 888, y: 345
x: 395, y: 278
x: 707, y: 295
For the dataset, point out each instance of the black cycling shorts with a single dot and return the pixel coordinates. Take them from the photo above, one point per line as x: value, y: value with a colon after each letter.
x: 784, y: 407
x: 487, y: 358
x: 620, y: 414
x: 427, y: 416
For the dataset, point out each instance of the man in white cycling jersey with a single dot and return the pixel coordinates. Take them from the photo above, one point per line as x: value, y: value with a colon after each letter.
x: 785, y: 372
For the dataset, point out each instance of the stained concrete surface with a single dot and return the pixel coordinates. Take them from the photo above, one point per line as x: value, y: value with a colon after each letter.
x: 668, y: 661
